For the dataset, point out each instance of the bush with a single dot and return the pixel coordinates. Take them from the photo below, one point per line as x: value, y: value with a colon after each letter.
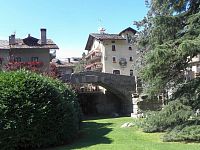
x: 189, y: 93
x: 35, y: 111
x: 187, y: 133
x: 173, y: 114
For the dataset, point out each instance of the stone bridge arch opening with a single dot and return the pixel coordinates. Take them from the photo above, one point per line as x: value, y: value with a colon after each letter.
x: 105, y: 101
x: 118, y: 95
x: 99, y: 103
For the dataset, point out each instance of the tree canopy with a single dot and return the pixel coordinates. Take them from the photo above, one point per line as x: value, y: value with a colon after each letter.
x: 169, y: 40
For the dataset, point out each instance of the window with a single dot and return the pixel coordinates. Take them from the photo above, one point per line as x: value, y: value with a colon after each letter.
x: 131, y: 72
x: 130, y: 48
x: 116, y: 71
x: 34, y: 59
x: 113, y: 48
x: 1, y: 61
x: 128, y: 38
x: 17, y: 59
x: 114, y: 59
x: 131, y: 58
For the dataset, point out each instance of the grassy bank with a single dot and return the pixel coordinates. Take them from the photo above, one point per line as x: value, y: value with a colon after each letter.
x: 106, y: 134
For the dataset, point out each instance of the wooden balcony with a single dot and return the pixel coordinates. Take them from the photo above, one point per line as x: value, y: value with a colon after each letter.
x: 96, y: 56
x: 97, y: 66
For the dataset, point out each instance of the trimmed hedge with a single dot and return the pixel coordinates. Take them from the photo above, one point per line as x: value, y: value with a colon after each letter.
x: 36, y: 111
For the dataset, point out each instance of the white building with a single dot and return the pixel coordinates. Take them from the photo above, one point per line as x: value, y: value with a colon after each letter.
x: 111, y: 53
x: 195, y: 63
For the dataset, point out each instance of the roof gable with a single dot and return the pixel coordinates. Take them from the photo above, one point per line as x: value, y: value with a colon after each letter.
x: 30, y: 41
x: 128, y: 29
x: 103, y: 36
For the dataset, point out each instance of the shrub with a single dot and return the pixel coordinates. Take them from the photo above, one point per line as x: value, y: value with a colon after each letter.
x: 35, y: 111
x: 173, y: 114
x: 187, y: 133
x: 189, y: 93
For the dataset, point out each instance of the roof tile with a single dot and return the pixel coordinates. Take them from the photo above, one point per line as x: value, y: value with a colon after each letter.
x: 4, y: 44
x: 106, y: 36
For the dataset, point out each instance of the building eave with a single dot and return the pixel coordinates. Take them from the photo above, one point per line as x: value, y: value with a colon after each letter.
x: 89, y: 42
x: 128, y: 29
x: 101, y: 37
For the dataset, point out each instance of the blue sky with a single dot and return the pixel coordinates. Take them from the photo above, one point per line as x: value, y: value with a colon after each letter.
x: 68, y: 22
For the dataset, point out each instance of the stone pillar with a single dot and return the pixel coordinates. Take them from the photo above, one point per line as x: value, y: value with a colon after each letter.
x: 135, y: 99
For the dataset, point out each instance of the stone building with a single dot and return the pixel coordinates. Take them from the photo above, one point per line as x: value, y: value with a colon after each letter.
x: 109, y: 53
x: 27, y: 50
x: 194, y: 71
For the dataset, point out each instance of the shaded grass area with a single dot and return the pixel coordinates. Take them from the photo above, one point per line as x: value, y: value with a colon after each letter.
x: 106, y: 134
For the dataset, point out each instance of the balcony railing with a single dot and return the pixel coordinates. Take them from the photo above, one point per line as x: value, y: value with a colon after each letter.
x: 93, y: 55
x: 97, y: 66
x: 94, y: 59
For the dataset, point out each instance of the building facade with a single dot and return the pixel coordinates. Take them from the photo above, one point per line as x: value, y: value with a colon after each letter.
x: 29, y: 50
x: 63, y: 67
x: 194, y: 71
x: 111, y: 53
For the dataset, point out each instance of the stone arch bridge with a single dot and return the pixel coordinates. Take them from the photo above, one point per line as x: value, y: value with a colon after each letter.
x: 120, y: 85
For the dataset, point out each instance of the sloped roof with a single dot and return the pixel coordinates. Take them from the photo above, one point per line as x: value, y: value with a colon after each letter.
x: 106, y: 36
x: 128, y: 29
x: 103, y: 36
x: 4, y: 44
x: 29, y: 42
x: 20, y: 44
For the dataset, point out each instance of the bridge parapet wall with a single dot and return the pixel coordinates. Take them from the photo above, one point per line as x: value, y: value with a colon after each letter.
x: 125, y: 83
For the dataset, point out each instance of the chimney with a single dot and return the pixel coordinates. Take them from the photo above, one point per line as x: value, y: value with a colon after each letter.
x: 12, y: 39
x: 43, y: 36
x: 69, y: 60
x: 102, y: 30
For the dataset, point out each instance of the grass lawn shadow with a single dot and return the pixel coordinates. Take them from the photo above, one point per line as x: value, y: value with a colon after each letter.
x: 91, y: 133
x: 98, y: 117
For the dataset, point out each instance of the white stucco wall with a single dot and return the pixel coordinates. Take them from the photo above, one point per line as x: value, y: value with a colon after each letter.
x: 122, y: 51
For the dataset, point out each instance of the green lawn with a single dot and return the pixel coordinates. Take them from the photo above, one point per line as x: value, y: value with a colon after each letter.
x: 106, y: 134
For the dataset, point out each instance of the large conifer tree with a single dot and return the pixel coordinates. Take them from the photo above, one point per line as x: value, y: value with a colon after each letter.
x: 169, y: 39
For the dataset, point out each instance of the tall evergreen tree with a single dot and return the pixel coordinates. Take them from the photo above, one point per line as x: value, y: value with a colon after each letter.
x: 169, y: 40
